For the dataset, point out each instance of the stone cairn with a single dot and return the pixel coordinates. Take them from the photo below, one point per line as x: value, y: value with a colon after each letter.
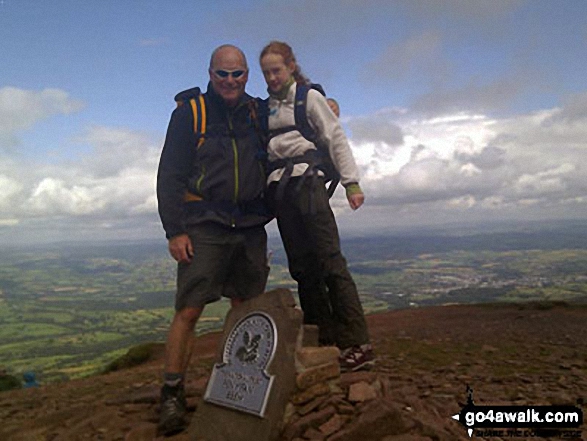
x: 309, y: 399
x: 331, y: 406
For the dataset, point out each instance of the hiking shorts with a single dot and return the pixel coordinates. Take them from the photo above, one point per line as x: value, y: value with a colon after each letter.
x: 227, y: 262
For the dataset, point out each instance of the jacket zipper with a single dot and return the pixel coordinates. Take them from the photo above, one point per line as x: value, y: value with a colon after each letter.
x: 235, y: 154
x: 200, y: 179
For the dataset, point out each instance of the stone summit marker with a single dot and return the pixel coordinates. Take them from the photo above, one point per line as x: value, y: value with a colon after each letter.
x: 241, y: 381
x: 254, y: 376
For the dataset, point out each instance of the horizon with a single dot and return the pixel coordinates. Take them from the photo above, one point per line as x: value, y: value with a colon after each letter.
x: 457, y: 112
x: 447, y: 231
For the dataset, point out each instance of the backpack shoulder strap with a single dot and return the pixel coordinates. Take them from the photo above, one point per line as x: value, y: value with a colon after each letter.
x: 262, y: 110
x: 196, y: 101
x: 300, y: 110
x: 259, y: 116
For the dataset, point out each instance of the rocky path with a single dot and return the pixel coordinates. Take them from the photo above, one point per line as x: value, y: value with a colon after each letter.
x: 508, y: 355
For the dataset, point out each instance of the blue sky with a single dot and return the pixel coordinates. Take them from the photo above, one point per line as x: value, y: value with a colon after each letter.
x: 456, y: 110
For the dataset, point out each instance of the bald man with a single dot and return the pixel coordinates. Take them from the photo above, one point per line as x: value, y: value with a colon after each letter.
x: 210, y: 194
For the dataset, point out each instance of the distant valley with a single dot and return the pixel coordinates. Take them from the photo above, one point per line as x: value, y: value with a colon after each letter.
x: 67, y: 310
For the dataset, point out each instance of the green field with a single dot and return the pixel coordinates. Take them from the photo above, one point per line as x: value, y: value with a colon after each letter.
x: 67, y: 312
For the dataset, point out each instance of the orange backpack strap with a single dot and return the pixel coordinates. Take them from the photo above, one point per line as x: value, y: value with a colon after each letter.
x: 199, y: 110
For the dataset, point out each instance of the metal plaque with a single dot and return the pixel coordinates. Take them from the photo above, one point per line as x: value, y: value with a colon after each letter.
x: 241, y: 381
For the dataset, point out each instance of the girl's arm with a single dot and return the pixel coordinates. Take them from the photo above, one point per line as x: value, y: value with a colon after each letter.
x: 331, y: 134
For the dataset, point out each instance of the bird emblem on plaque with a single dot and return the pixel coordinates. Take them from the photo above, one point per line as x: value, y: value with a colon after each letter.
x: 241, y: 380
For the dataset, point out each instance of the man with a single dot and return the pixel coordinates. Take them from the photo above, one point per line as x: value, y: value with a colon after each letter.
x: 333, y: 104
x: 210, y: 192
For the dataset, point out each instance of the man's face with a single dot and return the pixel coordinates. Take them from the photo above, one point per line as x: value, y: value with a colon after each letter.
x: 229, y: 75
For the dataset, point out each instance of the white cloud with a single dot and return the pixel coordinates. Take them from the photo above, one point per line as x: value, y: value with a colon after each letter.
x: 473, y: 164
x: 55, y: 197
x: 20, y: 109
x: 8, y: 222
x: 9, y: 188
x: 575, y: 109
x: 115, y: 149
x: 445, y: 168
x: 377, y: 128
x: 114, y: 179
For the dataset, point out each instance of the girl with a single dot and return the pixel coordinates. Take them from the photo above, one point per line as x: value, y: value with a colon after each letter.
x: 328, y: 295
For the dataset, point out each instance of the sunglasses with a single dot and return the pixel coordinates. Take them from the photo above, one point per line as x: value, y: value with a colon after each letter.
x: 226, y: 73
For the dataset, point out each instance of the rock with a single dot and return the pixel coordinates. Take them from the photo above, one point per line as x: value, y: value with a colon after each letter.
x: 317, y: 390
x: 349, y: 378
x: 317, y: 374
x: 345, y: 408
x: 313, y: 435
x: 315, y: 356
x: 290, y: 411
x: 332, y: 425
x: 309, y: 336
x: 220, y: 422
x: 312, y: 405
x: 361, y: 392
x: 314, y: 419
x: 378, y: 419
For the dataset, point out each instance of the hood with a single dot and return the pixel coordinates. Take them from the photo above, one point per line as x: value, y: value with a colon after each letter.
x: 188, y: 94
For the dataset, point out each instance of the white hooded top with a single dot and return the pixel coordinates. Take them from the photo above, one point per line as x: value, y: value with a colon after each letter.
x: 327, y: 127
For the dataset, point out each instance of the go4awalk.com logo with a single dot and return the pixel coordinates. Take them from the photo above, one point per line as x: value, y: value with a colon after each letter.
x: 520, y: 421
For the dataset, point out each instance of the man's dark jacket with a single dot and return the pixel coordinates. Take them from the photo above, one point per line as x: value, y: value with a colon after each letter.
x: 223, y: 178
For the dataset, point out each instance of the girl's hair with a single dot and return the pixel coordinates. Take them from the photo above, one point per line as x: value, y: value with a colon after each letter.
x: 285, y: 50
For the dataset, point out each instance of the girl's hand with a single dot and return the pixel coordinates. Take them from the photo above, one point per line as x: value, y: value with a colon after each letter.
x: 356, y: 200
x: 354, y: 195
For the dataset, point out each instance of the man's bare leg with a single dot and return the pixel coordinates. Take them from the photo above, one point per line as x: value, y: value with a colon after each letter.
x: 180, y: 339
x: 177, y: 352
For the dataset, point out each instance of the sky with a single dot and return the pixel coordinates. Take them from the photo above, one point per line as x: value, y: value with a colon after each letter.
x: 457, y: 111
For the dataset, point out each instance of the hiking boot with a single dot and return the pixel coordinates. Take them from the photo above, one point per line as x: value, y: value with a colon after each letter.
x: 357, y: 358
x: 172, y: 418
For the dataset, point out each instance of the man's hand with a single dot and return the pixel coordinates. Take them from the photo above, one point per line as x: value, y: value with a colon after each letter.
x: 356, y: 200
x: 181, y: 249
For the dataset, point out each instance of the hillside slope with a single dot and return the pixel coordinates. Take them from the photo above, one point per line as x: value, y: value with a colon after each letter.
x: 508, y: 354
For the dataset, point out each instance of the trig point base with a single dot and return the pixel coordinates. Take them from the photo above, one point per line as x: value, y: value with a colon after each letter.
x: 254, y: 375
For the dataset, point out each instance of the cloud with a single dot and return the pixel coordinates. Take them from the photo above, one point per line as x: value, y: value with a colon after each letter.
x: 115, y: 179
x: 20, y: 109
x: 574, y: 110
x: 488, y: 158
x: 116, y: 149
x: 55, y: 197
x: 376, y: 128
x: 8, y: 222
x: 415, y: 168
x: 480, y: 166
x: 9, y: 188
x: 475, y: 96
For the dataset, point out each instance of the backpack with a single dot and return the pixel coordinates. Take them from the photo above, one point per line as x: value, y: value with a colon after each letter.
x: 195, y: 99
x: 317, y: 159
